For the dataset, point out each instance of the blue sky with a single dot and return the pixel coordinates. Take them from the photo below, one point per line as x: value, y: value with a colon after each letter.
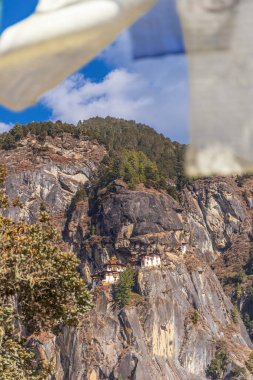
x: 153, y: 91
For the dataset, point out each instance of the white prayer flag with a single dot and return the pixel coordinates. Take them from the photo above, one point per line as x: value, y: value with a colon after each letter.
x: 56, y: 40
x: 218, y: 38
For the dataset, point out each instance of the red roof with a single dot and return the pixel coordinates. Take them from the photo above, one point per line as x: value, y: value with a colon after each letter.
x: 110, y: 271
x: 114, y: 264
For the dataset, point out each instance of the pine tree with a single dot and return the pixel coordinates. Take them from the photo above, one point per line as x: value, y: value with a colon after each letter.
x: 249, y: 264
x: 217, y: 367
x: 123, y: 288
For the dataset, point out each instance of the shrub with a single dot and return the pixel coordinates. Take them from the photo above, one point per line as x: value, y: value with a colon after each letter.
x: 173, y: 192
x: 249, y: 363
x: 238, y: 373
x: 238, y: 291
x: 240, y: 277
x: 235, y: 314
x: 17, y: 203
x: 183, y: 181
x: 92, y: 230
x: 242, y: 179
x: 248, y: 324
x: 218, y: 365
x: 195, y: 317
x: 8, y: 142
x: 3, y: 199
x: 249, y: 293
x: 249, y: 264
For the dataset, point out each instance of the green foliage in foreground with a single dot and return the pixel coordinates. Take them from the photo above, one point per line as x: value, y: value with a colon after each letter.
x: 17, y: 361
x: 123, y: 288
x: 43, y: 279
x: 40, y: 288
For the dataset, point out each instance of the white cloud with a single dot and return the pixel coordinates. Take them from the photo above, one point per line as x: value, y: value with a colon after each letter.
x: 151, y: 91
x: 5, y: 127
x: 119, y: 94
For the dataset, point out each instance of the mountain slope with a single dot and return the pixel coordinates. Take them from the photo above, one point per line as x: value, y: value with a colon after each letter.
x: 114, y: 134
x: 180, y: 318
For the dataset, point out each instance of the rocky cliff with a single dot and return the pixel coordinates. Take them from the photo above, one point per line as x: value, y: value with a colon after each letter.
x: 180, y: 314
x: 47, y: 176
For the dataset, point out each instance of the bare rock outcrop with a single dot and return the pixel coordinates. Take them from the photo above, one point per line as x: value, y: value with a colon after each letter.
x: 47, y: 176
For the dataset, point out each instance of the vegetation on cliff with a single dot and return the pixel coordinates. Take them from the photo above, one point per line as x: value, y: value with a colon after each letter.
x: 238, y: 280
x: 115, y: 134
x: 40, y: 288
x: 123, y: 288
x: 136, y: 152
x: 17, y: 361
x: 249, y: 363
x: 218, y: 367
x: 132, y: 167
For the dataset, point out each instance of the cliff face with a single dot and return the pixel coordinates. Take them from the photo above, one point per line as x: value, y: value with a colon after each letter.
x: 48, y: 176
x: 155, y: 338
x: 179, y: 313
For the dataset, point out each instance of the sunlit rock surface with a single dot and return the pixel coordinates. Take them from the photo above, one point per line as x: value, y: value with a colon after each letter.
x: 157, y: 336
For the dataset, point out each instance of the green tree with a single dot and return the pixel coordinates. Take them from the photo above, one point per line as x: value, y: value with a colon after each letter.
x: 123, y: 288
x: 216, y: 368
x: 133, y: 167
x: 40, y: 288
x: 249, y: 264
x: 248, y: 324
x: 42, y: 278
x: 17, y: 132
x: 115, y: 134
x: 17, y: 361
x: 8, y: 142
x: 235, y: 314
